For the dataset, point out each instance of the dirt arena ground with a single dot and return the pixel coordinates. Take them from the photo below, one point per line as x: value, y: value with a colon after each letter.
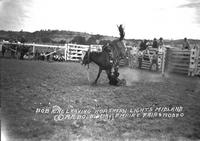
x: 27, y: 86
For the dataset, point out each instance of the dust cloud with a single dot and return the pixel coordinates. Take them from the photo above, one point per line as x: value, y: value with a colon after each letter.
x: 135, y: 75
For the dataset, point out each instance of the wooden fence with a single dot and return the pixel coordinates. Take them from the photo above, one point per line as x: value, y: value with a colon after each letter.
x: 168, y: 59
x: 70, y: 52
x: 183, y: 61
x: 75, y: 52
x: 178, y: 60
x: 150, y: 59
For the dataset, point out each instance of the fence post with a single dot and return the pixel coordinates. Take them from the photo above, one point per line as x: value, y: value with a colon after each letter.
x: 197, y: 67
x: 163, y: 62
x: 193, y: 56
x: 1, y: 44
x: 66, y: 48
x: 34, y: 50
x: 16, y: 52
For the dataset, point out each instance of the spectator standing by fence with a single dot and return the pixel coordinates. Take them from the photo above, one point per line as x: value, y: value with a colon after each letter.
x: 161, y: 43
x: 155, y: 43
x: 3, y: 50
x: 186, y: 44
x: 37, y: 54
x: 143, y: 45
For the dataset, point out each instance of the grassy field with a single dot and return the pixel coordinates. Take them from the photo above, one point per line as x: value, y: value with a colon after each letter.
x: 29, y: 85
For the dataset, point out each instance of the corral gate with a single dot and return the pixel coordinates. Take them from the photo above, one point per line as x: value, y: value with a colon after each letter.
x: 183, y: 60
x: 171, y: 60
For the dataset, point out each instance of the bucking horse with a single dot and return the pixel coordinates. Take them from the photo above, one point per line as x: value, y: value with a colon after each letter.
x: 109, y: 58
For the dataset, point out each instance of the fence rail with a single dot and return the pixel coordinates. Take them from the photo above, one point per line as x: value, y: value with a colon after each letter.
x: 168, y: 59
x: 70, y: 52
x: 183, y: 61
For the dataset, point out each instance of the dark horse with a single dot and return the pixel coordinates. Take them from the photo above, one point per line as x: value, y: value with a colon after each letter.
x: 113, y: 51
x: 102, y: 59
x: 106, y: 60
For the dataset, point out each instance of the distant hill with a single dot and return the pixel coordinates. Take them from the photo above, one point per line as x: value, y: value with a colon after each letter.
x: 54, y: 36
x: 62, y: 37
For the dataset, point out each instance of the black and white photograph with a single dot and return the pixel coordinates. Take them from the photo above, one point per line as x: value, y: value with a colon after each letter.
x: 100, y: 70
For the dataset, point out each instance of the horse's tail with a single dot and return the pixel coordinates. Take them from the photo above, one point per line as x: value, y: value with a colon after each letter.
x: 88, y: 74
x: 88, y: 61
x: 88, y: 57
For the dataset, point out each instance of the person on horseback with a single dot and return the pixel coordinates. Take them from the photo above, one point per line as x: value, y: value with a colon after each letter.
x: 121, y: 32
x: 109, y: 58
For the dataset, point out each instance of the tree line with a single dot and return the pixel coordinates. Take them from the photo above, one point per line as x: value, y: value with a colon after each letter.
x: 52, y: 37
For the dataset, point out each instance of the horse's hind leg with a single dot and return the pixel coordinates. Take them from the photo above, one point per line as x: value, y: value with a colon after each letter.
x: 100, y: 70
x: 108, y: 72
